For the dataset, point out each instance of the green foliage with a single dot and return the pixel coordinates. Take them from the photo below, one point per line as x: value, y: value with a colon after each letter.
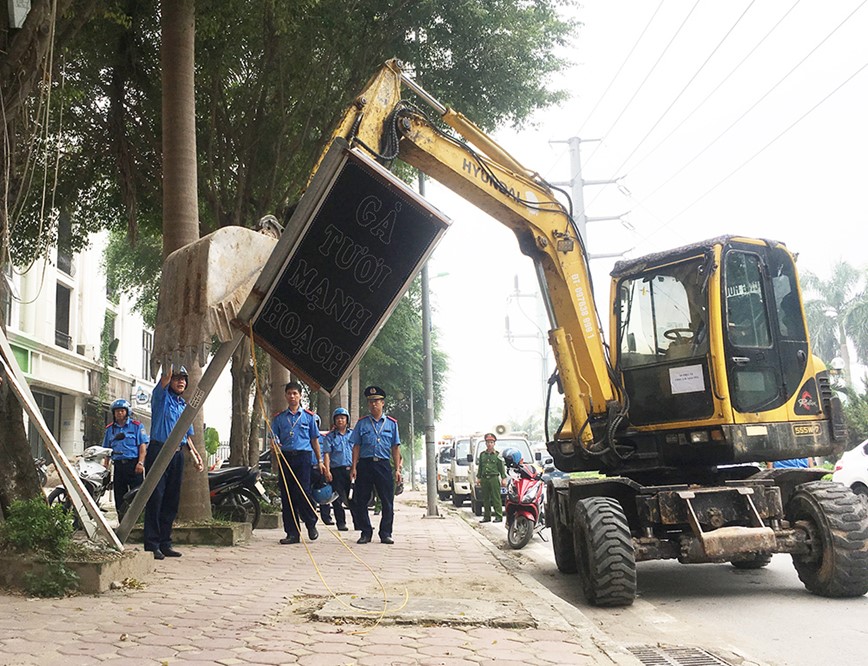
x: 54, y: 579
x: 132, y: 269
x: 212, y: 440
x: 856, y: 413
x: 33, y: 526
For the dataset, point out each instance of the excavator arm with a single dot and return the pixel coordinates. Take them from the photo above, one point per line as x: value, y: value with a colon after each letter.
x: 469, y: 162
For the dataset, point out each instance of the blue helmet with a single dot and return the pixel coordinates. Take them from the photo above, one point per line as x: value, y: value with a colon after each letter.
x: 120, y: 403
x: 181, y: 372
x: 512, y: 457
x: 325, y: 494
x: 340, y: 411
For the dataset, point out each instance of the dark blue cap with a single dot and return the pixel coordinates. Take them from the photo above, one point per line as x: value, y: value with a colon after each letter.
x: 374, y: 392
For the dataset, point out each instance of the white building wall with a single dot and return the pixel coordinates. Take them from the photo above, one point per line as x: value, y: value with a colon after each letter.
x: 71, y: 374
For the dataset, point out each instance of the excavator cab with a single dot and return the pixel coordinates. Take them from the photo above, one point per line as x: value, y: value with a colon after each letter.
x: 712, y: 349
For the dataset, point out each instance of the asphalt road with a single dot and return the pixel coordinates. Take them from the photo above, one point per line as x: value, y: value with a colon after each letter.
x: 762, y: 616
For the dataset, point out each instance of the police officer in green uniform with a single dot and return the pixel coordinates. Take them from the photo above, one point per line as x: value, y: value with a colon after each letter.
x: 492, y: 474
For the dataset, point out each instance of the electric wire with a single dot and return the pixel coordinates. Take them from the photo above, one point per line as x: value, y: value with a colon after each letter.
x: 716, y: 88
x: 617, y: 73
x: 644, y: 81
x: 684, y: 89
x: 765, y: 147
x: 758, y: 101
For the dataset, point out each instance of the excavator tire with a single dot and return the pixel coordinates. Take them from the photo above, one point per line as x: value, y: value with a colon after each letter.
x: 562, y: 540
x: 604, y: 552
x: 837, y: 522
x: 752, y: 561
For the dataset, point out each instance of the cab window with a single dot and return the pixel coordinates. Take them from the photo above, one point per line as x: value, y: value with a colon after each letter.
x: 747, y: 321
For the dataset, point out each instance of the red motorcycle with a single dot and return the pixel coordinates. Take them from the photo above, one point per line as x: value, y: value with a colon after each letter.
x: 525, y: 500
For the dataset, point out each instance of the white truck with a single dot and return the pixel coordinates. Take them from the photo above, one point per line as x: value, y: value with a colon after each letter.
x: 459, y: 469
x: 443, y: 463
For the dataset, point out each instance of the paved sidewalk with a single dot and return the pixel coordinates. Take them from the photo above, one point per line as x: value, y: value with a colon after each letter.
x: 449, y: 600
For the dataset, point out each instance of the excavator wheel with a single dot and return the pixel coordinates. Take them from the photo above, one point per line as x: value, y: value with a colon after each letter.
x: 836, y: 521
x: 752, y: 561
x: 604, y: 552
x: 562, y: 540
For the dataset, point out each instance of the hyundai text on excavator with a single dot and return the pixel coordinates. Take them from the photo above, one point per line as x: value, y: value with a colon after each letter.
x: 710, y: 370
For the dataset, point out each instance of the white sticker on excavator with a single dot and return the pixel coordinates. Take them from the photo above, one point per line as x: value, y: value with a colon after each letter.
x: 687, y: 379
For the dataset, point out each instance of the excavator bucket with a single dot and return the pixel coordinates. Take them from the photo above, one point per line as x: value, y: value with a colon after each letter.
x: 204, y: 285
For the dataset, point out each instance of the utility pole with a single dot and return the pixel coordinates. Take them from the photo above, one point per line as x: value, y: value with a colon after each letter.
x: 428, y: 361
x: 539, y: 335
x: 412, y: 444
x: 577, y: 185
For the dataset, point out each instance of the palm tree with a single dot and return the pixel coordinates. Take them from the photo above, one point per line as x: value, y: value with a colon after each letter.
x: 837, y: 312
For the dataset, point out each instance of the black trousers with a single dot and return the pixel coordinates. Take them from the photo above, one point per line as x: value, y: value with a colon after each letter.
x: 124, y: 480
x: 296, y: 507
x: 341, y: 485
x: 370, y: 475
x: 162, y: 507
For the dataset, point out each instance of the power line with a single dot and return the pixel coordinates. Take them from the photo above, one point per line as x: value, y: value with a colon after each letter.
x: 686, y: 86
x: 756, y: 103
x: 717, y: 87
x: 614, y: 78
x: 763, y: 149
x: 645, y: 80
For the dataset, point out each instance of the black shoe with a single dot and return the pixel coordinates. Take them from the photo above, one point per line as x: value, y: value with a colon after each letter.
x: 158, y: 555
x: 365, y: 538
x: 342, y: 528
x: 312, y: 533
x: 498, y: 520
x: 388, y: 540
x: 328, y: 522
x: 289, y: 540
x: 168, y: 551
x: 485, y: 520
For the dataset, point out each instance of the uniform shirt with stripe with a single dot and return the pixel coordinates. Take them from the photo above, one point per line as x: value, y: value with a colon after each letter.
x: 295, y: 430
x: 128, y: 447
x: 338, y: 447
x: 375, y: 439
x: 166, y: 408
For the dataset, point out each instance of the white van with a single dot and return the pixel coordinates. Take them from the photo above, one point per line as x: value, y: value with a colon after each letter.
x: 459, y: 475
x: 443, y: 462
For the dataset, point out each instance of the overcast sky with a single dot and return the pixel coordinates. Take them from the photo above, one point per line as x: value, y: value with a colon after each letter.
x: 732, y: 117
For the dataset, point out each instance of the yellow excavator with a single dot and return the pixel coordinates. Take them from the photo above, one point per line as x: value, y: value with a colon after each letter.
x: 709, y: 372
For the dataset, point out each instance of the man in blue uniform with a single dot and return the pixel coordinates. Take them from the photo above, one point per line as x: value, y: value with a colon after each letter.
x: 298, y: 435
x: 375, y: 441
x: 338, y: 454
x: 128, y: 441
x: 162, y: 507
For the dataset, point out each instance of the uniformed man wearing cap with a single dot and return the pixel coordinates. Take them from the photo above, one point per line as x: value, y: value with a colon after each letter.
x: 375, y: 443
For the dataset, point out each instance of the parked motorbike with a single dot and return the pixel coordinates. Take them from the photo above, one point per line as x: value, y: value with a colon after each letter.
x: 94, y: 470
x: 41, y: 471
x: 525, y: 500
x: 236, y: 493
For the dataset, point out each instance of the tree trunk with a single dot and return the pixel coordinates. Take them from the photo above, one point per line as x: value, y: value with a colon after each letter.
x: 844, y: 351
x: 279, y: 379
x: 18, y: 478
x: 180, y: 200
x: 242, y: 381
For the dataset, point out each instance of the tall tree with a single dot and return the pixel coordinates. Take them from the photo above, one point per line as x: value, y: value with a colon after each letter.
x: 26, y: 66
x: 837, y: 312
x: 180, y: 197
x: 272, y: 79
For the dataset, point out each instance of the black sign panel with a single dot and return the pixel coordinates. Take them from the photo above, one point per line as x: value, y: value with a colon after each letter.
x: 364, y: 243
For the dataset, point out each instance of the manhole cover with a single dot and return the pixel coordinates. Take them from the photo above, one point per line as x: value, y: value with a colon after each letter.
x: 673, y: 655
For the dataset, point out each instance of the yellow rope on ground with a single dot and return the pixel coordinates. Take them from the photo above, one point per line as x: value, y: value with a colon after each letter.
x: 281, y: 459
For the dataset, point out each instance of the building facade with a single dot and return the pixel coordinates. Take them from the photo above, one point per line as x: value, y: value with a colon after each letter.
x: 79, y: 346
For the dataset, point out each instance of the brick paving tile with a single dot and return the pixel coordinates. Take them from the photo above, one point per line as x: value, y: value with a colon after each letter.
x: 65, y: 660
x: 446, y: 661
x: 147, y: 651
x: 127, y: 661
x: 566, y: 657
x: 270, y: 658
x: 327, y: 660
x: 495, y: 653
x: 380, y: 660
x: 446, y: 651
x: 81, y: 649
x: 388, y: 650
x: 229, y: 662
x: 206, y: 656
